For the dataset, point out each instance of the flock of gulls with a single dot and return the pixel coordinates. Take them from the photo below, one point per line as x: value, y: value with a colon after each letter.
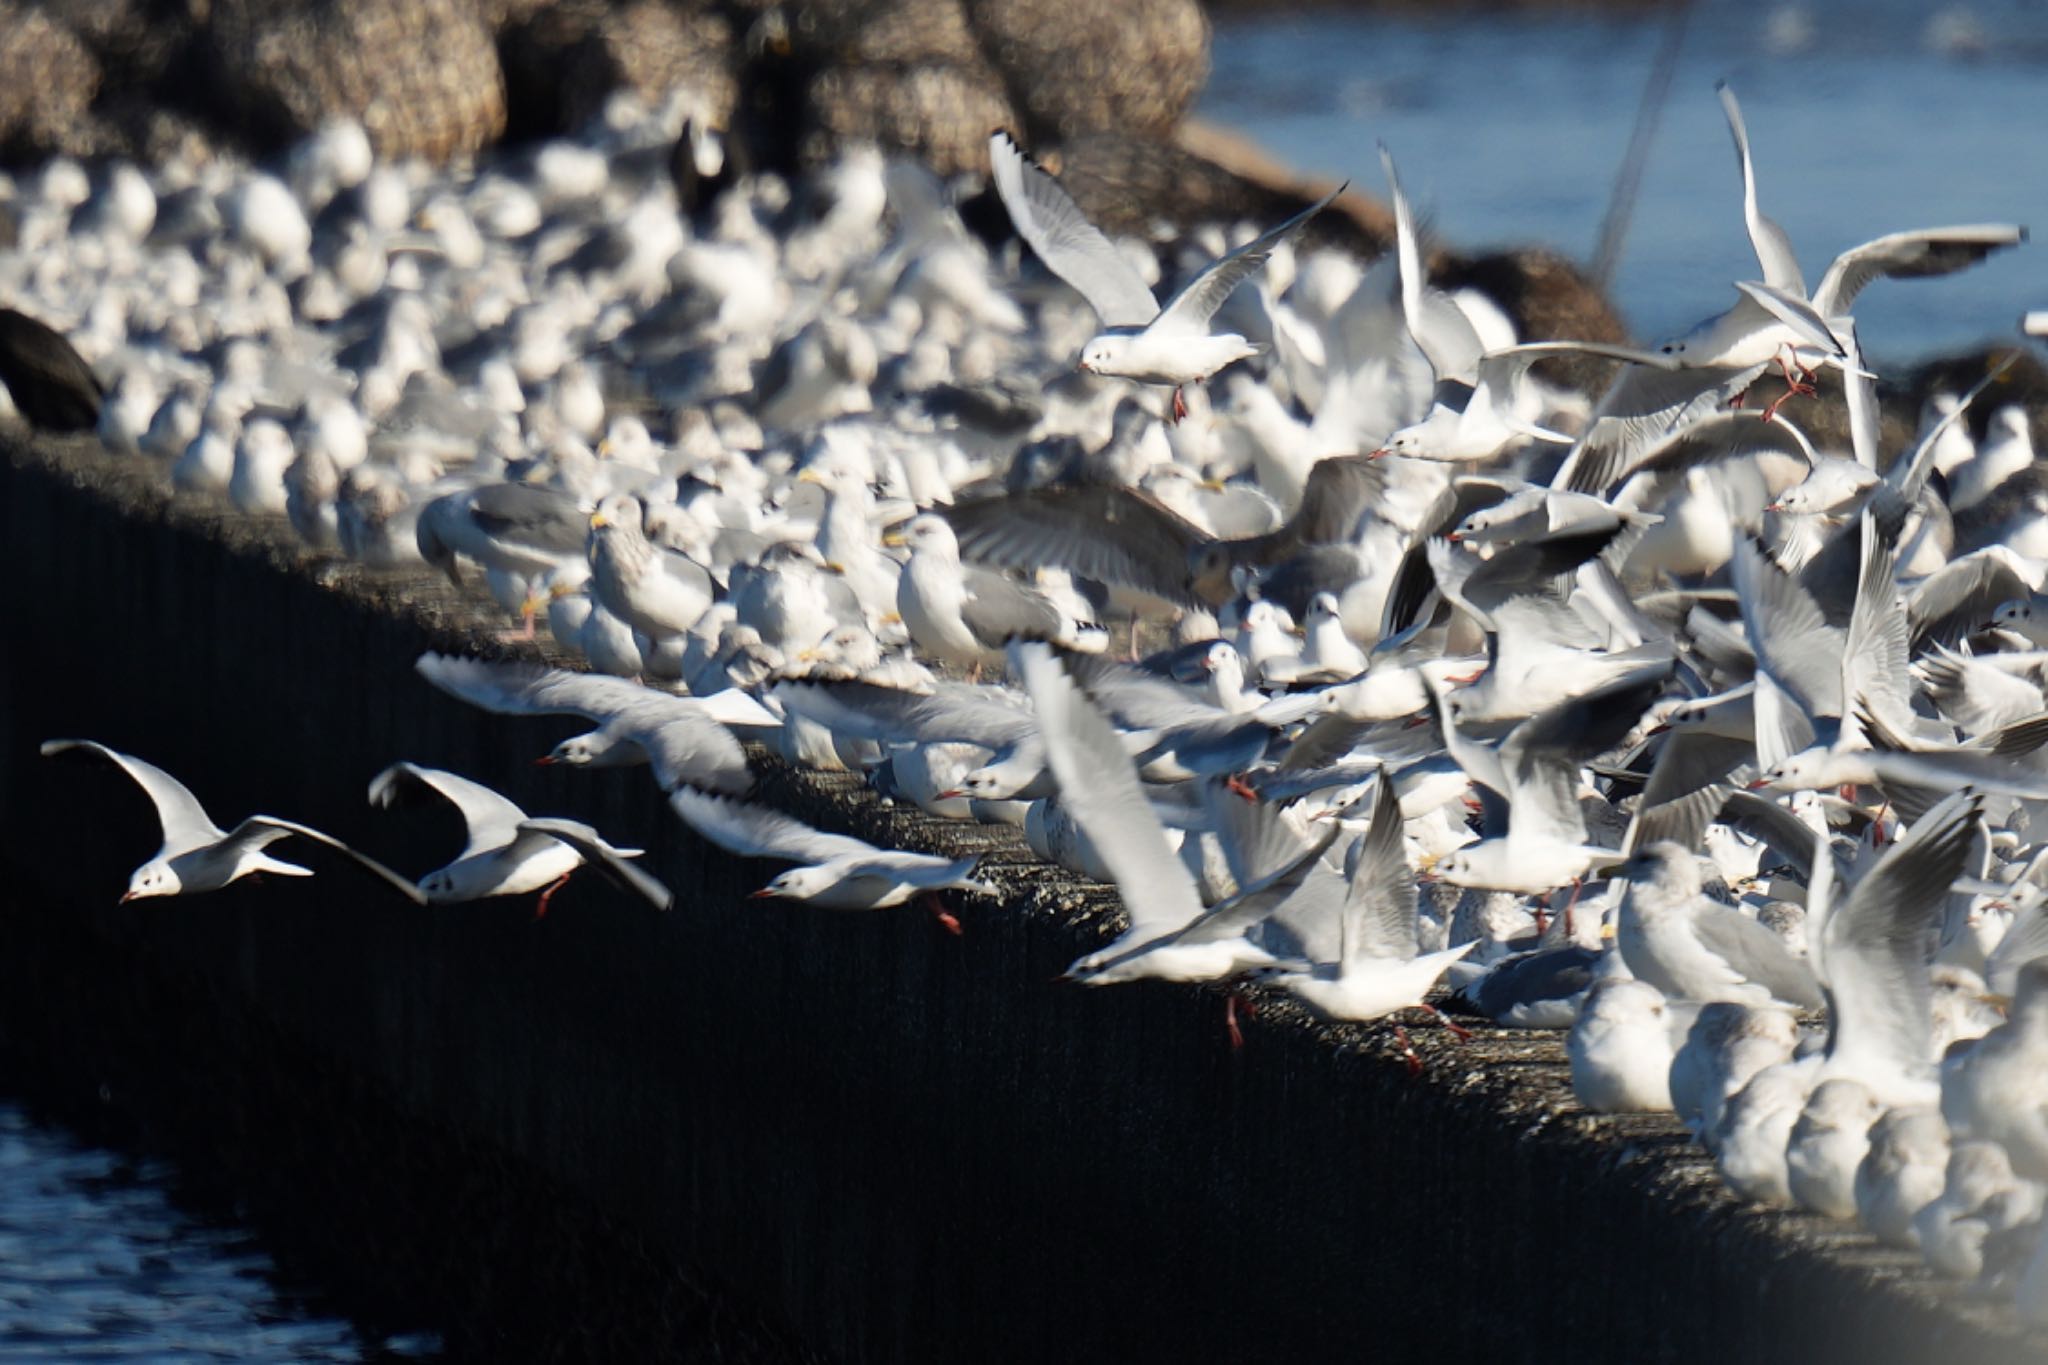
x: 1304, y: 608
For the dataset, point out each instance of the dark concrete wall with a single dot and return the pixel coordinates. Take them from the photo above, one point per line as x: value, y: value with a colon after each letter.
x: 905, y: 1145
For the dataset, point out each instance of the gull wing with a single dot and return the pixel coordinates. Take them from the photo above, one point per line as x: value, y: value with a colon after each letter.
x: 522, y: 689
x: 1876, y: 649
x: 1773, y: 248
x: 1071, y: 247
x: 953, y: 714
x: 600, y: 854
x: 687, y: 747
x: 997, y: 609
x: 1501, y: 373
x: 1909, y: 475
x: 1189, y: 311
x: 758, y: 832
x: 394, y: 880
x: 1793, y: 642
x: 1099, y: 787
x: 1874, y: 948
x: 1918, y: 254
x: 1379, y: 918
x: 1641, y: 409
x: 492, y: 820
x: 1121, y: 536
x: 1446, y: 336
x: 1796, y: 313
x: 186, y: 824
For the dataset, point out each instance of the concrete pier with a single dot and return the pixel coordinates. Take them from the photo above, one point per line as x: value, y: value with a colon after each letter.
x: 894, y: 1143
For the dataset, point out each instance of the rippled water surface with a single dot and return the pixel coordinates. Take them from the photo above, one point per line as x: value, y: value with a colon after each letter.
x: 98, y: 1263
x: 1864, y: 118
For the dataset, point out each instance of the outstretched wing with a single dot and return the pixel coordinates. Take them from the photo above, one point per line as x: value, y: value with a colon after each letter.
x: 1773, y: 248
x: 1910, y: 255
x: 185, y: 822
x: 376, y: 869
x: 1071, y: 247
x: 492, y: 821
x: 758, y: 832
x: 1190, y: 310
x: 601, y: 855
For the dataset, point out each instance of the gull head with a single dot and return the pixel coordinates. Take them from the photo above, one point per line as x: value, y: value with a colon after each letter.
x: 1805, y: 771
x: 2010, y: 613
x: 983, y: 784
x: 578, y: 751
x: 798, y: 884
x: 1105, y: 354
x: 931, y: 534
x: 439, y: 887
x: 1104, y: 969
x: 153, y: 878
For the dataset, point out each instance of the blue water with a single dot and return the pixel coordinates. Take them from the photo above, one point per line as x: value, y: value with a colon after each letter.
x: 99, y: 1263
x: 1864, y: 119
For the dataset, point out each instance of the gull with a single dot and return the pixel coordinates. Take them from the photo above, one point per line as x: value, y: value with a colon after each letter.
x: 1994, y: 1090
x: 1902, y: 1173
x: 685, y: 738
x: 1725, y: 1047
x: 1620, y: 1048
x: 838, y: 871
x: 951, y: 713
x: 1172, y: 935
x: 197, y: 855
x: 509, y: 853
x: 963, y: 614
x: 1778, y: 313
x: 1140, y: 340
x: 1480, y: 423
x: 1981, y: 1195
x: 1692, y: 948
x: 515, y: 531
x: 1827, y: 1145
x: 1380, y: 967
x: 656, y: 591
x: 1535, y: 770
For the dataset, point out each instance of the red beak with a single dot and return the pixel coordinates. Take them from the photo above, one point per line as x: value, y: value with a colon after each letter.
x: 763, y: 894
x: 544, y: 761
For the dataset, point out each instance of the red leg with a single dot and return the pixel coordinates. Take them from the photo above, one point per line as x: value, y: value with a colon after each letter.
x: 1408, y: 1051
x: 1234, y: 1005
x: 540, y: 907
x: 1576, y: 884
x: 1180, y: 407
x: 1462, y: 1034
x: 946, y: 918
x: 1237, y: 785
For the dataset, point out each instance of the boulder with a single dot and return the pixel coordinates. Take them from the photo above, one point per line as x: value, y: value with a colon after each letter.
x: 421, y: 75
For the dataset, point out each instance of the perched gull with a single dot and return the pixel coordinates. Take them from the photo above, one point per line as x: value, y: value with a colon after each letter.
x: 838, y: 872
x: 198, y: 855
x: 1140, y: 340
x: 518, y: 533
x: 656, y: 591
x: 964, y: 614
x: 1691, y: 948
x: 509, y: 853
x: 1620, y: 1048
